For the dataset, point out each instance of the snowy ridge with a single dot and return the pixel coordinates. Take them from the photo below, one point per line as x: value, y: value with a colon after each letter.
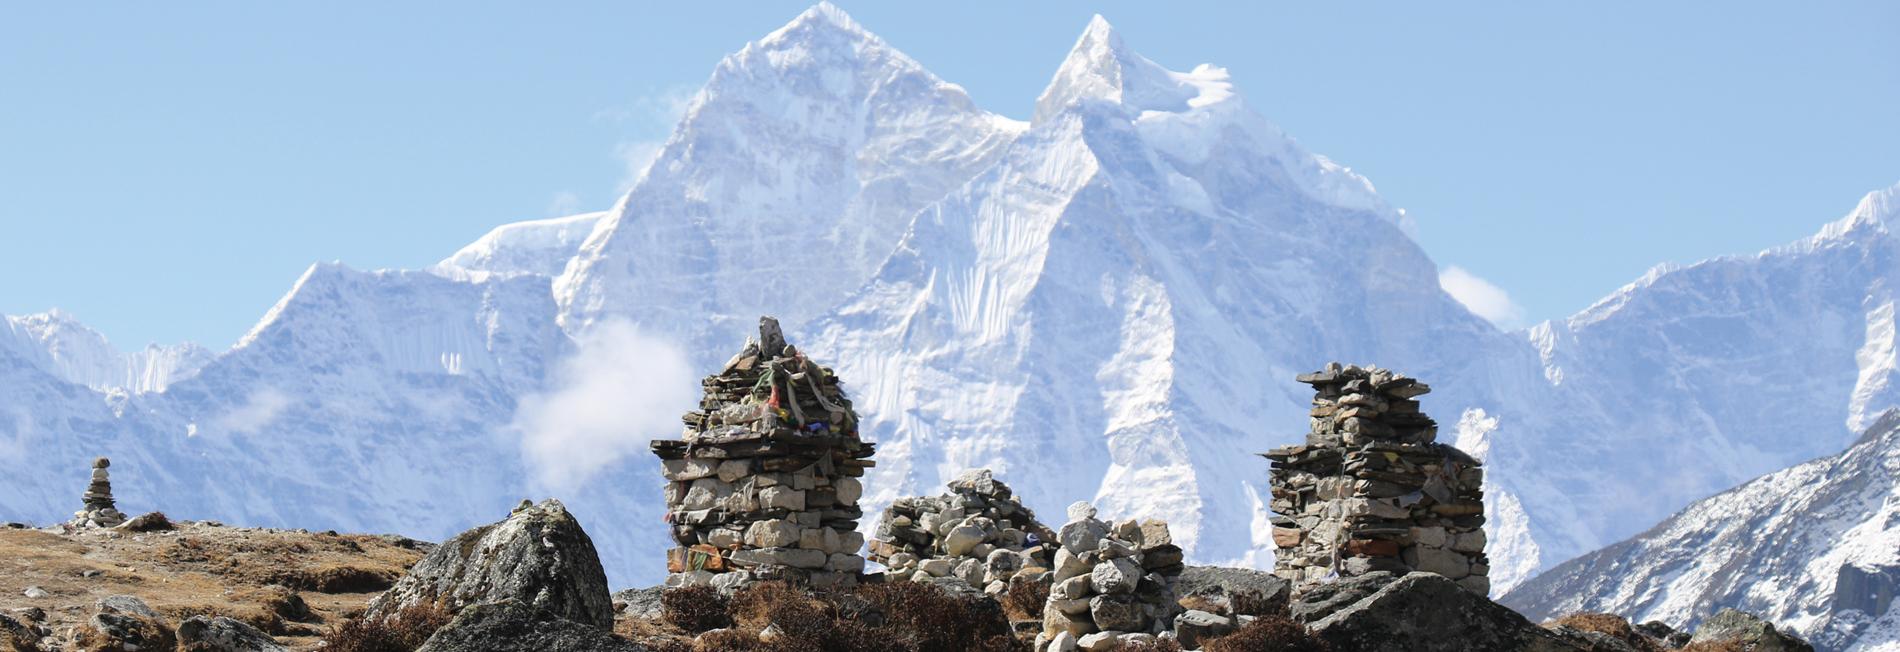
x: 1815, y: 547
x: 58, y: 344
x: 541, y: 247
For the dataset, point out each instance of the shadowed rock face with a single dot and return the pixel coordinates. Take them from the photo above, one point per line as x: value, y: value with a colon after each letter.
x: 539, y: 556
x: 1420, y: 612
x: 511, y: 626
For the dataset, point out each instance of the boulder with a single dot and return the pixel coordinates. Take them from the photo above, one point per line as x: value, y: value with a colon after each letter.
x: 1222, y: 586
x: 515, y: 626
x: 1753, y: 633
x: 221, y: 634
x: 539, y: 556
x: 1424, y: 612
x: 641, y: 603
x: 1192, y: 627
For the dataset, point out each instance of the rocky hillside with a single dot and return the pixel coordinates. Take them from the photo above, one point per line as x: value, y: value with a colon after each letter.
x: 1816, y: 547
x: 66, y: 585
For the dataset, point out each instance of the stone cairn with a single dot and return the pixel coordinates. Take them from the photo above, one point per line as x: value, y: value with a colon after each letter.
x: 764, y: 483
x: 978, y: 532
x: 1371, y: 491
x: 100, y: 510
x: 1114, y: 584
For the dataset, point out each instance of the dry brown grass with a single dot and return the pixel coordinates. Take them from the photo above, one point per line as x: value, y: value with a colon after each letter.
x: 1025, y: 598
x: 285, y: 583
x: 1268, y: 634
x: 1610, y: 625
x: 1730, y: 645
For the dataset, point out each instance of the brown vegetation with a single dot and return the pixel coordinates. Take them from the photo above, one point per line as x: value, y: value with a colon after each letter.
x: 404, y: 632
x: 286, y: 583
x: 1610, y: 625
x: 1268, y: 634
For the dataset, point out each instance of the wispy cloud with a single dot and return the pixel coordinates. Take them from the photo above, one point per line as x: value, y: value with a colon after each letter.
x: 649, y: 120
x: 1481, y: 297
x: 260, y: 408
x: 564, y: 203
x: 619, y: 389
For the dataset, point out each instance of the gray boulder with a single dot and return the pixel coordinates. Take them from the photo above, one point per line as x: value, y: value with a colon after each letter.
x: 221, y: 634
x: 1754, y: 633
x: 539, y: 555
x: 641, y: 603
x: 1424, y: 612
x: 514, y: 626
x: 1222, y: 586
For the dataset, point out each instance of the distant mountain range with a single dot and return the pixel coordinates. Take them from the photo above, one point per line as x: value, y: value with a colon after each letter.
x: 1106, y: 302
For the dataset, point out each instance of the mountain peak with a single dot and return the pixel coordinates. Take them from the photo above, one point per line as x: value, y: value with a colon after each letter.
x: 1878, y: 210
x: 1101, y: 67
x: 821, y: 18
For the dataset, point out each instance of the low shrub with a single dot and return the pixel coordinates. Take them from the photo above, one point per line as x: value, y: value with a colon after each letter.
x: 695, y: 609
x: 403, y: 632
x: 1268, y: 634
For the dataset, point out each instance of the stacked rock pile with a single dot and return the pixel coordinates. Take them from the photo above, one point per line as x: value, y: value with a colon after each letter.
x: 1114, y: 584
x: 99, y: 509
x: 978, y: 532
x: 1370, y: 490
x: 764, y: 483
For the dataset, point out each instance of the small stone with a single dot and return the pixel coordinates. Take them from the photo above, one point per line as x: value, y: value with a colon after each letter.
x: 35, y: 592
x: 1082, y: 536
x: 1121, y: 613
x: 1080, y: 586
x: 962, y: 539
x: 733, y: 470
x: 772, y: 533
x: 937, y: 567
x: 1069, y: 565
x: 1115, y: 576
x: 1101, y: 641
x: 1081, y: 510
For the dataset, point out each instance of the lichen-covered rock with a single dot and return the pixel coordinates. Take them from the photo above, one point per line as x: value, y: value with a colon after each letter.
x: 123, y: 622
x: 1753, y: 633
x: 221, y: 634
x: 1424, y: 612
x: 514, y: 626
x: 1223, y: 587
x: 539, y: 556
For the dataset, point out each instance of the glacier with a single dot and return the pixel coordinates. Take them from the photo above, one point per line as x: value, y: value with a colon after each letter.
x: 1107, y: 301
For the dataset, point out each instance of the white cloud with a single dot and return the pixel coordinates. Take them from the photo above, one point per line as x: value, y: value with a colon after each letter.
x: 259, y: 409
x: 563, y: 204
x: 1481, y: 297
x: 654, y: 117
x: 619, y: 389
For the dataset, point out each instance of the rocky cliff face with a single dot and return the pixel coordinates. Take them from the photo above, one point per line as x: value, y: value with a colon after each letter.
x: 1815, y: 548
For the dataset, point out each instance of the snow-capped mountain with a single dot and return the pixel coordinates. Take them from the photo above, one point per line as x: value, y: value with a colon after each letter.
x: 1815, y: 548
x: 1694, y: 379
x: 58, y: 344
x: 1109, y: 301
x: 792, y: 175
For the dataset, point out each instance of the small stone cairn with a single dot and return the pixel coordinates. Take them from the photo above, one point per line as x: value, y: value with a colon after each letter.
x: 99, y: 510
x: 764, y: 483
x: 1370, y: 490
x: 1114, y: 584
x: 978, y: 532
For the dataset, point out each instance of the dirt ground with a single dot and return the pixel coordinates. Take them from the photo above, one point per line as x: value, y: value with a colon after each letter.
x: 292, y: 584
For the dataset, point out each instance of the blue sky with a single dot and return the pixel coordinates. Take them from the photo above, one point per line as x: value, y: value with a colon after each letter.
x: 167, y: 170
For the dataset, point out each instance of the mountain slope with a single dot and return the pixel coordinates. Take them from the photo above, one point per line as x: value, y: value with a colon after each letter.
x: 58, y: 344
x: 790, y: 178
x: 1815, y: 547
x: 1118, y: 307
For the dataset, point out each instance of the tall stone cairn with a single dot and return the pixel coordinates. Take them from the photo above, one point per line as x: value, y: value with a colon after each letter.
x: 1370, y: 490
x: 763, y: 485
x: 99, y: 509
x: 978, y: 532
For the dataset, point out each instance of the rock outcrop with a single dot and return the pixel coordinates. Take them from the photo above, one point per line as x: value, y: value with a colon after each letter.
x: 1752, y: 633
x: 515, y: 626
x: 539, y: 556
x: 221, y: 634
x: 1419, y: 612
